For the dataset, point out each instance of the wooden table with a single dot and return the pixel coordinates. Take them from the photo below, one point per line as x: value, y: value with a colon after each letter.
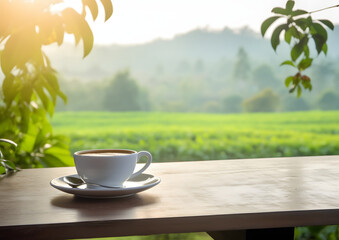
x: 242, y: 198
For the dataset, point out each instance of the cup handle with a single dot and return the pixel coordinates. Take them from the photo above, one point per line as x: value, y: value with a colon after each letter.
x: 149, y: 161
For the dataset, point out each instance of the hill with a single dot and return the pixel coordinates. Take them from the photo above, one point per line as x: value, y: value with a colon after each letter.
x: 160, y: 55
x: 192, y: 71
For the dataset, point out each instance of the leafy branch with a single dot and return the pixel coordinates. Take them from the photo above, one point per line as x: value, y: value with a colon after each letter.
x: 7, y: 166
x: 30, y: 87
x: 297, y: 31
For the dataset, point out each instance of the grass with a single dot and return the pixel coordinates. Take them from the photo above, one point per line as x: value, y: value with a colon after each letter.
x: 188, y: 136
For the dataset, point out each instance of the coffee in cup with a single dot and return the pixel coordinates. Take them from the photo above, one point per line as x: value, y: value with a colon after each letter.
x: 109, y: 167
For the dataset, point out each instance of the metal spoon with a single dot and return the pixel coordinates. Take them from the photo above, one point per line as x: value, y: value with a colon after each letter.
x: 73, y: 181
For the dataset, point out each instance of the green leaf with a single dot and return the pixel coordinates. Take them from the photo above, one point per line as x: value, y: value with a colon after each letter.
x: 319, y: 42
x: 25, y: 120
x: 2, y: 168
x: 50, y: 28
x: 27, y: 90
x: 318, y: 29
x: 305, y: 63
x: 324, y: 48
x: 93, y: 7
x: 302, y: 23
x: 9, y: 89
x: 275, y: 38
x: 292, y: 89
x: 267, y: 23
x: 27, y: 144
x: 87, y: 37
x: 295, y: 33
x: 328, y: 23
x: 289, y: 5
x: 287, y: 62
x: 305, y: 85
x: 9, y: 165
x: 299, y: 91
x: 21, y: 47
x: 309, y: 19
x: 51, y: 80
x: 70, y: 20
x: 298, y: 13
x: 279, y: 10
x: 56, y: 156
x: 306, y: 51
x: 298, y: 48
x: 45, y: 100
x: 52, y: 161
x: 51, y: 91
x: 108, y: 8
x: 63, y: 96
x: 57, y: 151
x: 77, y: 25
x: 296, y: 52
x: 288, y: 81
x: 61, y: 141
x: 288, y: 35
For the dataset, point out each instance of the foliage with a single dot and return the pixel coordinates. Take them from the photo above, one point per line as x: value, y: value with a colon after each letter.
x: 242, y: 66
x: 265, y: 101
x: 298, y: 30
x: 232, y: 104
x: 30, y: 86
x: 123, y: 94
x: 211, y: 107
x: 7, y: 166
x: 329, y: 100
x: 263, y: 76
x: 317, y: 232
x: 86, y: 96
x: 182, y: 136
x: 295, y: 104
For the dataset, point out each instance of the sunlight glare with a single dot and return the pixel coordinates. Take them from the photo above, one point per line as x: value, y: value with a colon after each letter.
x: 137, y: 22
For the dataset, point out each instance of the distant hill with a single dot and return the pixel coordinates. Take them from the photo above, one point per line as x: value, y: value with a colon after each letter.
x: 167, y: 55
x: 190, y: 72
x: 200, y: 44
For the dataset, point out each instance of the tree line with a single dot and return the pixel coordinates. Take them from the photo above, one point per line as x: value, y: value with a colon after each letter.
x: 260, y: 91
x: 243, y: 85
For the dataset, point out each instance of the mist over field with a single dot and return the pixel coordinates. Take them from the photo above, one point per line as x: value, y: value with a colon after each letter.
x: 199, y: 71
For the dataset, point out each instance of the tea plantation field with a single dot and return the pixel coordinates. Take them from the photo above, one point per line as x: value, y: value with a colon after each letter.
x: 192, y: 136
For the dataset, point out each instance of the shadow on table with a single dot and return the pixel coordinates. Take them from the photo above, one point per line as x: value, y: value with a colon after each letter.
x: 119, y: 207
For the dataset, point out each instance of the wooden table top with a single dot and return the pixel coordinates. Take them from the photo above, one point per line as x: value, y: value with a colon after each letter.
x: 192, y: 197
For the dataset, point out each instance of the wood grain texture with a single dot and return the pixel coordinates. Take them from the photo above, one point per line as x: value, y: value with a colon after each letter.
x: 192, y: 197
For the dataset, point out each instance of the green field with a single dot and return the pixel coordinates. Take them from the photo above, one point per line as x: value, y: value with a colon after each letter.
x: 192, y: 136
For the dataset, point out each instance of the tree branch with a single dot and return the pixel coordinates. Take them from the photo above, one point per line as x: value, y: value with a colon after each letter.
x: 324, y: 9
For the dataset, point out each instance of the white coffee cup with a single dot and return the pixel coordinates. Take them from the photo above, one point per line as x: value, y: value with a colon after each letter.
x: 109, y: 167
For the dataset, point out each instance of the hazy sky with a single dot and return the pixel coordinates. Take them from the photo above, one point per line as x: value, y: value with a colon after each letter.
x: 139, y: 21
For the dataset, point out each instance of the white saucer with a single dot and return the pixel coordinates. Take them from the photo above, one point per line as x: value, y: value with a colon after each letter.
x: 130, y: 187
